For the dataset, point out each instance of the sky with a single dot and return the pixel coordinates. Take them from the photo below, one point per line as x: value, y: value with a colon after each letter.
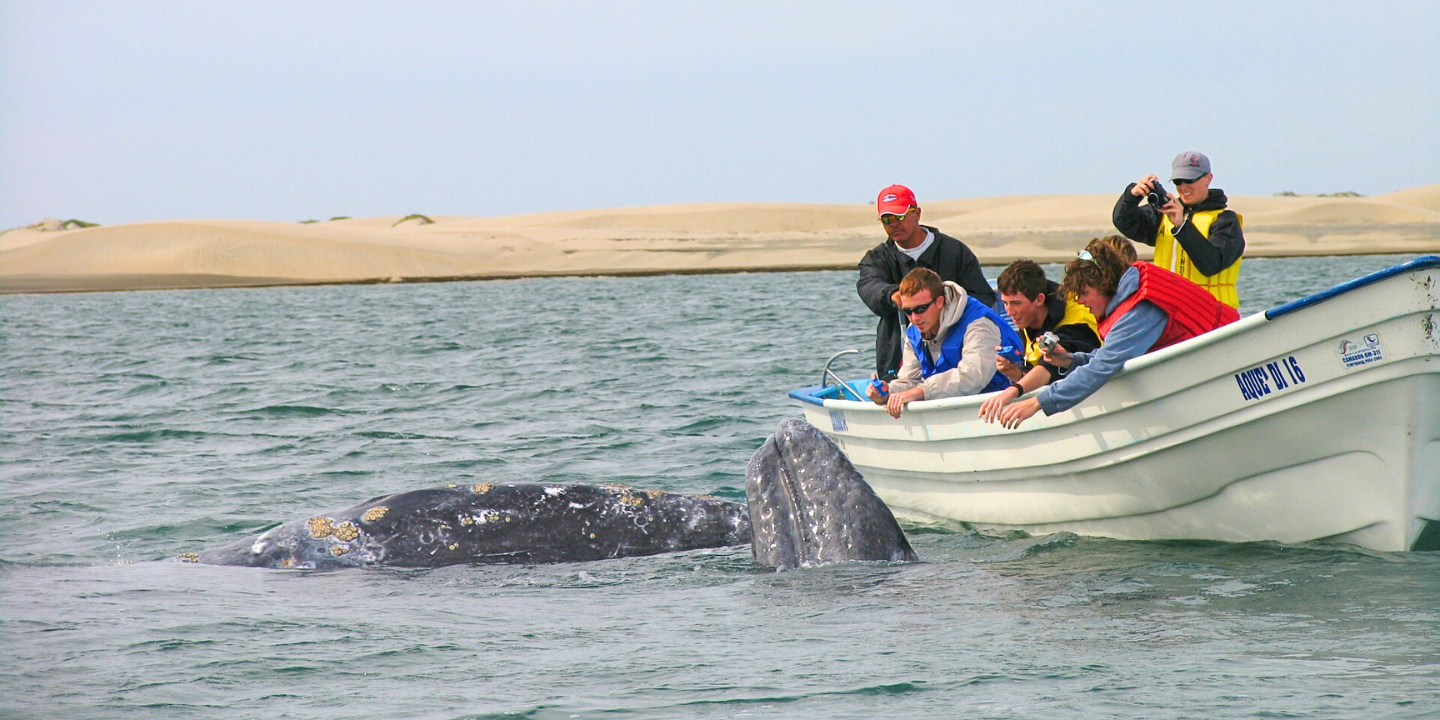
x: 118, y: 111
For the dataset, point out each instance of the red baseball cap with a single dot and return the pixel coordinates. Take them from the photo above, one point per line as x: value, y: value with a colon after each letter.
x: 895, y: 200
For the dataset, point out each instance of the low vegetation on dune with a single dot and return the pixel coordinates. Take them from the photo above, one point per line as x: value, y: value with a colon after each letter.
x: 54, y: 225
x: 416, y: 216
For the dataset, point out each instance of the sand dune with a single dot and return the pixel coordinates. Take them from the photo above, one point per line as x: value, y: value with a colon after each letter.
x: 708, y: 237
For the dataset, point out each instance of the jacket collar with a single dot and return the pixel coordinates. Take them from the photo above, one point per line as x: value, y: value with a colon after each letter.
x: 928, y: 256
x: 1214, y: 201
x: 1054, y: 306
x: 955, y: 299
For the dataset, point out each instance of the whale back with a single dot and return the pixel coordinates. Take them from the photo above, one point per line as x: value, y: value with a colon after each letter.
x: 500, y: 523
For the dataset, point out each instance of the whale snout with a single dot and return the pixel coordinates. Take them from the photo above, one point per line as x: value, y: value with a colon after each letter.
x: 810, y: 506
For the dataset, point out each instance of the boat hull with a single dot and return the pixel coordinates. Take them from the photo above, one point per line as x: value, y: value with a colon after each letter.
x: 1315, y: 421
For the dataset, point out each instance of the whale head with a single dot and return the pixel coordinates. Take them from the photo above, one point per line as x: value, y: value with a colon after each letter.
x: 810, y: 506
x: 292, y: 545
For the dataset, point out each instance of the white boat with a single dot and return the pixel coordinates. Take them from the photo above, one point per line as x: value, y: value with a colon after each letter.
x: 1316, y: 420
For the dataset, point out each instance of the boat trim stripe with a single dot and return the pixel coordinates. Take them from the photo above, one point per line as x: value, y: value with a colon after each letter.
x: 1420, y: 263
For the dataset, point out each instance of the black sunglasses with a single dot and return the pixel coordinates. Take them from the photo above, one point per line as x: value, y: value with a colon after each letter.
x: 1178, y: 181
x: 918, y: 309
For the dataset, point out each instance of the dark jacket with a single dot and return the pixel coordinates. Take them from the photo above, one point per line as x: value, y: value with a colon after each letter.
x: 1075, y: 337
x: 885, y: 265
x: 1212, y: 254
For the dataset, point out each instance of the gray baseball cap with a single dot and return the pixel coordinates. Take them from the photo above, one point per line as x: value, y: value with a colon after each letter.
x: 1189, y: 165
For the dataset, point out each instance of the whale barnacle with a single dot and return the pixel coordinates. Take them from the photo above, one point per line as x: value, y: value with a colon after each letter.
x: 346, y: 531
x: 374, y: 513
x: 654, y: 493
x: 190, y: 557
x: 454, y: 546
x: 320, y: 527
x: 338, y: 550
x: 467, y: 520
x: 482, y: 488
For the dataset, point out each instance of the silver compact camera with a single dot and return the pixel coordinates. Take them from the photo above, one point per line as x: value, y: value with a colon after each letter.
x: 1047, y: 342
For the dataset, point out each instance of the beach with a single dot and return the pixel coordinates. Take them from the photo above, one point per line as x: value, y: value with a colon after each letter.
x: 690, y: 238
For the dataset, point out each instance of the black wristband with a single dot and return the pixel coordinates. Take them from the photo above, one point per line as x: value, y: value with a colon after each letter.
x: 1016, y: 384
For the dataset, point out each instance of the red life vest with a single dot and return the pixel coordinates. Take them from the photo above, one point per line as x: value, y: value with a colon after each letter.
x: 1192, y: 310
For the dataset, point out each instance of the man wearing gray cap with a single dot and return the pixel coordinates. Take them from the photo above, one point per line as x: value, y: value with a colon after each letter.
x: 1194, y: 235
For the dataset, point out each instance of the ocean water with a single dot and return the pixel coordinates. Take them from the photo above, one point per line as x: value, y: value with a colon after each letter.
x: 138, y: 426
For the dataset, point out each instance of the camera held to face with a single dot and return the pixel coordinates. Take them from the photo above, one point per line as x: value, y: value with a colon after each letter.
x: 1047, y: 342
x: 1157, y: 195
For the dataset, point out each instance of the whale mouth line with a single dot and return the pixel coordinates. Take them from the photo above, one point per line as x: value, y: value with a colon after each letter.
x: 799, y: 523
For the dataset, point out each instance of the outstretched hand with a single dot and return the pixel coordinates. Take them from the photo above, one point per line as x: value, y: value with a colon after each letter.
x: 1016, y: 413
x: 990, y: 410
x: 897, y: 401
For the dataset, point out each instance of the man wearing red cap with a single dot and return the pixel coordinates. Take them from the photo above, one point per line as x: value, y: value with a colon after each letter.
x: 910, y: 245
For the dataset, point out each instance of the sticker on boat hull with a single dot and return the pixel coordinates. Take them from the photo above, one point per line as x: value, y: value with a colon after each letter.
x: 1272, y: 377
x: 837, y: 421
x: 1363, y: 351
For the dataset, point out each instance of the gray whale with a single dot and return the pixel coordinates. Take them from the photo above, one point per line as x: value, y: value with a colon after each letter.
x: 805, y: 505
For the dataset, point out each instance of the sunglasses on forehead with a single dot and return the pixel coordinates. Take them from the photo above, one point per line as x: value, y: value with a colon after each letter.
x: 918, y: 309
x: 889, y: 219
x: 1087, y: 257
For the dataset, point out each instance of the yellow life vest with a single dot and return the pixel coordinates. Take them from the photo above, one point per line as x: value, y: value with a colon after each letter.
x: 1075, y: 314
x: 1172, y: 257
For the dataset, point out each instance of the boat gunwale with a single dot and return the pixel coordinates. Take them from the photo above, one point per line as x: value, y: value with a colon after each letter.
x: 1424, y: 262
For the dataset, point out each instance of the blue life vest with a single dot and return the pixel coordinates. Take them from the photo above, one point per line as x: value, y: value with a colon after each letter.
x: 955, y: 338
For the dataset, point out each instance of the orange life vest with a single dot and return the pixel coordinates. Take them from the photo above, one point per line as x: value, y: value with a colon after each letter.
x: 1192, y: 310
